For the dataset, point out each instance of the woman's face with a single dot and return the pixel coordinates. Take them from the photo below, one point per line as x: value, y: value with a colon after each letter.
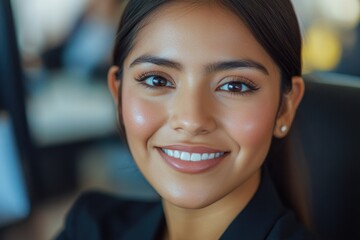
x: 200, y: 98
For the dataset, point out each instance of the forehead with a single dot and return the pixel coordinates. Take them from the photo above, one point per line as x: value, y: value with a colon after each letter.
x: 198, y: 34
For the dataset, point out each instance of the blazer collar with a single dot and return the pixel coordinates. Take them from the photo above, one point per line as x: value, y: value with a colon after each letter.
x: 258, y: 217
x: 149, y: 226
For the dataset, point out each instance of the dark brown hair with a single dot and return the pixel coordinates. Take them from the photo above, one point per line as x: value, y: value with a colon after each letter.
x: 274, y: 25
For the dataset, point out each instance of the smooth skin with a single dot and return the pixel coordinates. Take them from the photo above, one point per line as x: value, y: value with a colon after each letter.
x: 187, y: 99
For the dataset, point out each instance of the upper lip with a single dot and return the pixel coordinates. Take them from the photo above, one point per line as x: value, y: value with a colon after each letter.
x: 193, y: 149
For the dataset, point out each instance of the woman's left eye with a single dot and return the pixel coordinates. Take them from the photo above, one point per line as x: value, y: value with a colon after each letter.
x: 236, y: 87
x: 155, y: 81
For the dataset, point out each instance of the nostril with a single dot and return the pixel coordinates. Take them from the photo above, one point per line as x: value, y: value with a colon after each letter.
x: 193, y: 119
x: 204, y: 131
x: 192, y: 128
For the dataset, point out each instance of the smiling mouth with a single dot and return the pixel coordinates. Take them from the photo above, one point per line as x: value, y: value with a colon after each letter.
x: 191, y: 157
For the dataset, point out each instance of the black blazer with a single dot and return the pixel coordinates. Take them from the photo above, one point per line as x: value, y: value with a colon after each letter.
x: 98, y: 216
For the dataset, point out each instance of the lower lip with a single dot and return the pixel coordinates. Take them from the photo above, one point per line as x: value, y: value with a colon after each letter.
x: 191, y: 167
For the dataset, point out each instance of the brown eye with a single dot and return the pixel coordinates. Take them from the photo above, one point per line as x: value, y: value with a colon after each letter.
x: 238, y: 87
x: 235, y: 87
x: 156, y: 81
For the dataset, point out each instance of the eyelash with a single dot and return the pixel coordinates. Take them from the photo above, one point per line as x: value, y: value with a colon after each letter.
x: 252, y: 87
x: 143, y: 77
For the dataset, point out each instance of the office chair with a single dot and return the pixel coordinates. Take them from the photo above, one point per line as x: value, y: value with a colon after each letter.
x: 328, y: 123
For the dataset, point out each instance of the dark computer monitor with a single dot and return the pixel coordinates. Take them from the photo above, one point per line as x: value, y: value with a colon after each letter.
x: 14, y: 201
x: 14, y: 137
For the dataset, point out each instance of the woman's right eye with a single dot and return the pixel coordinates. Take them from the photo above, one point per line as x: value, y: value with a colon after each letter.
x: 153, y: 81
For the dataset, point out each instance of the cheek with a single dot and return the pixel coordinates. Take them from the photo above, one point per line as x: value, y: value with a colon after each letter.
x: 252, y: 126
x: 141, y: 118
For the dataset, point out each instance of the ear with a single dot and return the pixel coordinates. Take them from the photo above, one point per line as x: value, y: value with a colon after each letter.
x: 291, y: 101
x: 114, y: 83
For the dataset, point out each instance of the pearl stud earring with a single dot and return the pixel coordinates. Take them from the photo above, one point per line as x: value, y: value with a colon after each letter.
x: 283, y: 128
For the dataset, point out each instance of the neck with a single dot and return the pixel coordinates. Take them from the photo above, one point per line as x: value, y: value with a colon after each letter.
x: 211, y: 221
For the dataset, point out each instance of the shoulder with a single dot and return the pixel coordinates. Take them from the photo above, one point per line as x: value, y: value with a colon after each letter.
x: 265, y: 217
x: 102, y: 216
x: 287, y: 227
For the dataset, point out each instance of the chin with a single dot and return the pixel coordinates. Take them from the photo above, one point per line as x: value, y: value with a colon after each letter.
x: 189, y: 201
x: 189, y: 204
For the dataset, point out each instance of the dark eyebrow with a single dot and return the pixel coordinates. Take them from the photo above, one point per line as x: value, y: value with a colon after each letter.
x: 229, y: 65
x: 215, y: 67
x: 157, y: 61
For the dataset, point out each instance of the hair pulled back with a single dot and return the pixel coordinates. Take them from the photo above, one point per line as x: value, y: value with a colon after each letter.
x: 273, y: 23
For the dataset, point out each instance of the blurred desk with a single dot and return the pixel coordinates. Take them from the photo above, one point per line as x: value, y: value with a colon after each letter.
x: 64, y: 107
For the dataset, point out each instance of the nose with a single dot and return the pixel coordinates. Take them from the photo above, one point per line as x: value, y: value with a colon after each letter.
x: 192, y: 113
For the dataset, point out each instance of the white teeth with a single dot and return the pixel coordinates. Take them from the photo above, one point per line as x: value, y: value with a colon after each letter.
x: 205, y: 156
x: 185, y: 156
x: 194, y: 157
x: 170, y: 153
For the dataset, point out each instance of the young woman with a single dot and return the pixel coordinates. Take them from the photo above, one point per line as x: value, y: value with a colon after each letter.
x: 201, y: 89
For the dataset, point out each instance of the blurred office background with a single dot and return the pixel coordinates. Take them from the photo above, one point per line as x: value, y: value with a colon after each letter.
x: 58, y: 133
